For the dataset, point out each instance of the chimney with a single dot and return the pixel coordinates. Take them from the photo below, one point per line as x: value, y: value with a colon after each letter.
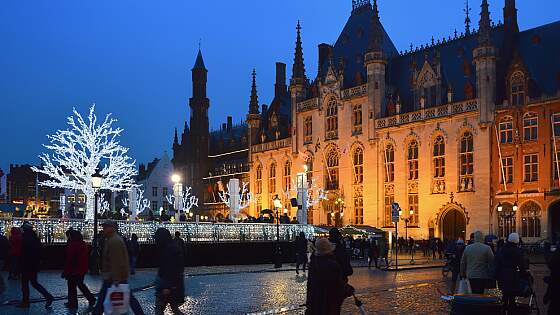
x: 229, y: 123
x: 280, y: 86
x: 264, y: 109
x: 325, y: 52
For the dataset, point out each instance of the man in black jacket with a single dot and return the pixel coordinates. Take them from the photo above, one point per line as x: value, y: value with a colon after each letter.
x: 170, y: 286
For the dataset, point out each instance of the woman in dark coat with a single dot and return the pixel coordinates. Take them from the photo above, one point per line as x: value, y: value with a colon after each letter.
x: 326, y: 282
x: 170, y: 286
x: 373, y: 253
x: 75, y: 268
x: 510, y: 264
x: 15, y: 252
x: 301, y: 252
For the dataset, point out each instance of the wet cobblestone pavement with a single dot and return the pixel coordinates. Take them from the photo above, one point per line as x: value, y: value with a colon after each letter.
x: 258, y: 289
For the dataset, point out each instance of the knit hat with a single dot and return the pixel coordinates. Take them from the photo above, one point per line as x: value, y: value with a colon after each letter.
x: 513, y: 238
x: 323, y: 247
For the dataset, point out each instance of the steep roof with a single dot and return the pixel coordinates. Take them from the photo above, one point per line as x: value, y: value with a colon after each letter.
x: 199, y: 63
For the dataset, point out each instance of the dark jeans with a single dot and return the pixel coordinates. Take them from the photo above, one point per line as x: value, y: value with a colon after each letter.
x: 75, y: 282
x: 478, y: 285
x: 31, y: 277
x: 98, y: 309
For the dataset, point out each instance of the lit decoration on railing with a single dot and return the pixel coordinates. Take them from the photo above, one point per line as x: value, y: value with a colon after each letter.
x: 187, y: 200
x: 234, y: 197
x: 78, y: 151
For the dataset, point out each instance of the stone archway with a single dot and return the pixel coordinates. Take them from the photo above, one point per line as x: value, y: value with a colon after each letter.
x: 453, y: 225
x: 554, y: 220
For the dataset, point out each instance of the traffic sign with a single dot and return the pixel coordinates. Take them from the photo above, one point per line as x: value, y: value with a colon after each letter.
x: 395, y: 212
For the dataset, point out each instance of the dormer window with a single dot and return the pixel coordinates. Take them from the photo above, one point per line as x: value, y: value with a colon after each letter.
x: 517, y: 89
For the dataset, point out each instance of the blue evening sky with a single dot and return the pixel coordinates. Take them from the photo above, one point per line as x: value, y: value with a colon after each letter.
x: 133, y: 57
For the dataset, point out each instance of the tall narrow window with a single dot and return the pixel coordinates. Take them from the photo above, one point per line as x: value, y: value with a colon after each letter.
x: 389, y: 199
x: 358, y: 162
x: 258, y: 181
x: 506, y: 221
x: 507, y: 164
x: 412, y: 160
x: 506, y: 130
x: 272, y: 178
x: 358, y: 206
x: 357, y: 119
x: 308, y: 129
x: 466, y: 158
x: 389, y: 163
x: 530, y: 126
x: 154, y: 191
x: 531, y: 166
x: 517, y: 89
x: 332, y: 169
x: 556, y: 124
x: 287, y: 177
x: 309, y: 172
x: 530, y: 220
x: 413, y: 204
x: 332, y: 120
x: 439, y: 157
x: 555, y: 163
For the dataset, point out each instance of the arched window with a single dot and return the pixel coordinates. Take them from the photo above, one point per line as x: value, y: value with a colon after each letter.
x: 358, y: 163
x: 287, y: 177
x: 506, y: 129
x: 358, y: 206
x: 332, y: 169
x: 272, y: 179
x: 530, y: 220
x: 466, y: 158
x: 258, y: 182
x: 439, y: 157
x: 517, y: 88
x: 412, y: 160
x: 506, y: 220
x: 389, y: 158
x: 309, y: 170
x: 332, y: 119
x: 530, y: 126
x: 357, y: 119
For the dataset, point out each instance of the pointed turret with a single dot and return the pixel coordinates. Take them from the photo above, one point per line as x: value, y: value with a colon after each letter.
x: 510, y: 17
x: 254, y: 102
x: 176, y: 138
x: 199, y: 63
x: 298, y: 70
x: 484, y: 26
x: 376, y: 37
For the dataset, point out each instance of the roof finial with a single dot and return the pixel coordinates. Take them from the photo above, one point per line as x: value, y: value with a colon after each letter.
x: 467, y: 11
x: 254, y: 101
x: 176, y: 138
x: 298, y: 69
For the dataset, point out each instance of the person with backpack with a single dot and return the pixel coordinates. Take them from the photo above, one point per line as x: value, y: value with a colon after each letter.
x: 75, y: 268
x: 30, y: 261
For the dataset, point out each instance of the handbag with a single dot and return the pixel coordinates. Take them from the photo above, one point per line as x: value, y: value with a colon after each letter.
x: 463, y: 286
x: 117, y: 299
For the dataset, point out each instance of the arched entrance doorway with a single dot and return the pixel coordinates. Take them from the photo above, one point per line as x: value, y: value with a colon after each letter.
x: 453, y: 225
x: 554, y: 219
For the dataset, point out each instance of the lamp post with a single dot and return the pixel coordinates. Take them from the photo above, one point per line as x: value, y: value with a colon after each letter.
x: 277, y: 254
x: 96, y: 181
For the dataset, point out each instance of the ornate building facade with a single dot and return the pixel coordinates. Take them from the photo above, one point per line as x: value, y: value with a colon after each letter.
x: 378, y: 126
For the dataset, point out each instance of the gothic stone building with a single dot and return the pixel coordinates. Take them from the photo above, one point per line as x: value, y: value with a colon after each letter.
x: 377, y: 126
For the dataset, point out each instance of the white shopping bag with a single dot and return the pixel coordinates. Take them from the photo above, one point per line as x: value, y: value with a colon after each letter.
x: 117, y: 299
x: 463, y: 286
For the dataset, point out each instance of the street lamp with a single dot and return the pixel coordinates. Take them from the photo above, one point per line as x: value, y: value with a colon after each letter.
x: 277, y: 205
x: 96, y: 181
x: 500, y: 207
x: 340, y: 203
x: 515, y: 206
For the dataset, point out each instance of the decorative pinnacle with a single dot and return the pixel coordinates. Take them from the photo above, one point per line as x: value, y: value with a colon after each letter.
x: 298, y: 69
x: 254, y: 101
x: 467, y: 11
x: 484, y: 24
x: 176, y: 139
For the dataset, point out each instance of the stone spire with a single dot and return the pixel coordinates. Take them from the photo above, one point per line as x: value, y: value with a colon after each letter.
x: 298, y: 70
x: 484, y: 26
x: 510, y: 17
x: 254, y: 102
x: 376, y: 36
x: 467, y: 19
x: 176, y: 139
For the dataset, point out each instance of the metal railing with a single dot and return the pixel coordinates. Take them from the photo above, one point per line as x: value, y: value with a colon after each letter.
x: 52, y: 231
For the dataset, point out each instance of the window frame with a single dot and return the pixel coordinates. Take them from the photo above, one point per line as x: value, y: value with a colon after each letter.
x: 258, y: 180
x: 357, y: 119
x: 272, y: 178
x: 389, y: 163
x: 287, y: 176
x: 507, y: 165
x: 332, y: 163
x: 505, y: 128
x: 530, y: 127
x: 466, y: 161
x: 438, y: 157
x: 358, y: 166
x: 412, y: 160
x: 531, y: 220
x: 531, y: 168
x: 517, y: 88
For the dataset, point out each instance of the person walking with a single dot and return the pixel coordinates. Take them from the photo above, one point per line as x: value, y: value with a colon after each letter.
x: 510, y: 266
x: 30, y: 260
x: 301, y: 251
x: 373, y: 253
x: 181, y: 244
x: 456, y: 256
x: 340, y: 253
x: 133, y: 251
x: 75, y: 268
x: 384, y: 251
x: 15, y: 253
x: 114, y: 266
x: 552, y: 295
x: 477, y: 264
x: 326, y: 284
x: 170, y: 287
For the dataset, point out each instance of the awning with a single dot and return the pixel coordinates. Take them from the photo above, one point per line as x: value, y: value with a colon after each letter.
x: 370, y: 231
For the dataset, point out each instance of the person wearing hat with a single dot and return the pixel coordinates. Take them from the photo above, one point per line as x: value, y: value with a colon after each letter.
x: 115, y: 266
x: 326, y: 287
x: 510, y: 266
x: 30, y: 260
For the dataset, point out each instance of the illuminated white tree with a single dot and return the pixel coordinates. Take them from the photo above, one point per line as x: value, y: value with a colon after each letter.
x: 82, y: 148
x: 235, y: 198
x: 102, y: 204
x: 188, y: 201
x: 140, y: 203
x: 314, y: 193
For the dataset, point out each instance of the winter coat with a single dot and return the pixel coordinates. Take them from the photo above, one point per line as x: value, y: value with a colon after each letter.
x: 325, y: 286
x: 114, y: 262
x: 477, y: 261
x: 30, y: 252
x: 170, y: 272
x: 301, y: 245
x: 552, y: 295
x: 15, y: 242
x: 76, y: 261
x: 373, y: 250
x: 343, y: 260
x: 457, y: 255
x: 4, y: 247
x: 133, y: 248
x: 509, y: 264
